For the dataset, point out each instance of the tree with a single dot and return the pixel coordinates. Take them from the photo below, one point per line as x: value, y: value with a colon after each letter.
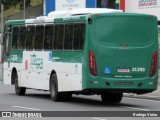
x: 8, y: 3
x: 27, y: 4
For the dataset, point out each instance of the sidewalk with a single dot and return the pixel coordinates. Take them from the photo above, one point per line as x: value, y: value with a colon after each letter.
x: 155, y: 95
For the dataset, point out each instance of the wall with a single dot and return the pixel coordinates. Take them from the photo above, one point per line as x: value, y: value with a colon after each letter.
x: 52, y: 5
x: 142, y: 6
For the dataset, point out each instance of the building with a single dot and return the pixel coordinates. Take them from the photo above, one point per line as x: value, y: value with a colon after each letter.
x: 151, y: 7
x: 135, y: 6
x: 52, y: 5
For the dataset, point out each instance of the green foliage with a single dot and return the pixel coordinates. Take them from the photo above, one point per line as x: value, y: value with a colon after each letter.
x: 8, y: 3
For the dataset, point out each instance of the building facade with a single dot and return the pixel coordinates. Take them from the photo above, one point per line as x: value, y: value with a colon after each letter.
x: 52, y: 5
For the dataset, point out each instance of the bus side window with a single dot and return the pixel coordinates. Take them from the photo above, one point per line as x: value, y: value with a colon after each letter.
x: 39, y: 37
x: 22, y: 40
x: 59, y: 36
x: 48, y: 39
x: 30, y: 41
x: 15, y: 38
x: 79, y: 36
x: 68, y: 37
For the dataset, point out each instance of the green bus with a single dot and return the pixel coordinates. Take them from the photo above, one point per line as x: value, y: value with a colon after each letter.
x: 84, y: 51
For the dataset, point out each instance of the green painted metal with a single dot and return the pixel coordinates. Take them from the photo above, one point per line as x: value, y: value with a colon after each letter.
x: 70, y: 19
x: 69, y: 57
x: 16, y: 56
x: 121, y: 41
x: 15, y: 22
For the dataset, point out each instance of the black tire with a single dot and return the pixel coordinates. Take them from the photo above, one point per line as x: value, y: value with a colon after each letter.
x: 109, y: 97
x: 54, y: 94
x: 18, y: 90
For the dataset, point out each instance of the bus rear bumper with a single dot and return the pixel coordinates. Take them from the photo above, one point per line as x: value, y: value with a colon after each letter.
x: 126, y: 85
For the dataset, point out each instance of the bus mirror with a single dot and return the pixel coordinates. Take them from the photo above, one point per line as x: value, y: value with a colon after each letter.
x: 89, y: 21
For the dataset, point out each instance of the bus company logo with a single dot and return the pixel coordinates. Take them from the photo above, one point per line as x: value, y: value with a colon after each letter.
x: 36, y: 63
x: 70, y: 1
x: 148, y: 3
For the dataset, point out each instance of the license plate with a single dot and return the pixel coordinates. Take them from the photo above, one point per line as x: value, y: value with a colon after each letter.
x: 124, y: 70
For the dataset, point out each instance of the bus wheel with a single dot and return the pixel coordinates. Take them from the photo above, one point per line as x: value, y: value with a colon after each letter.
x: 109, y: 97
x: 55, y: 95
x: 18, y: 90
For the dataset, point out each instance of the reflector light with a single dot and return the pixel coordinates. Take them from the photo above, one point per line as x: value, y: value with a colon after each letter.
x: 153, y: 67
x: 92, y: 63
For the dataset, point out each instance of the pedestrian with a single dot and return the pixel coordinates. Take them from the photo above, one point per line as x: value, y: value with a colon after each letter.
x: 103, y: 3
x: 117, y: 4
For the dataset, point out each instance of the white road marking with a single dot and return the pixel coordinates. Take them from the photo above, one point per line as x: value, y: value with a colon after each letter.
x: 136, y: 108
x: 25, y: 108
x: 143, y: 99
x: 99, y: 119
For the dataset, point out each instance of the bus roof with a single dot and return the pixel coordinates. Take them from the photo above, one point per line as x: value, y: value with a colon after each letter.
x: 81, y: 11
x: 57, y: 15
x: 53, y: 16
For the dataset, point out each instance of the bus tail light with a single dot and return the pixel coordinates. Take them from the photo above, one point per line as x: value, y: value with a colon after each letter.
x: 92, y: 63
x: 153, y: 67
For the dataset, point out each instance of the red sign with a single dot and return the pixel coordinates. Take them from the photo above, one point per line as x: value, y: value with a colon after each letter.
x: 26, y: 64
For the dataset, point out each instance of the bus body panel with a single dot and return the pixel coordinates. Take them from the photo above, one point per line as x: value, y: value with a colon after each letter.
x: 123, y: 45
x: 34, y: 70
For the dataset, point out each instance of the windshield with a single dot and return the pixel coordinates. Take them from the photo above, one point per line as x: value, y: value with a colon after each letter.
x: 124, y: 29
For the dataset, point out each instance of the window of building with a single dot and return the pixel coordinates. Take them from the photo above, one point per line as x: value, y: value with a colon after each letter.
x: 79, y: 36
x: 68, y: 40
x: 48, y: 39
x: 15, y: 37
x: 39, y: 37
x: 30, y: 41
x: 59, y: 36
x: 113, y: 4
x: 22, y: 40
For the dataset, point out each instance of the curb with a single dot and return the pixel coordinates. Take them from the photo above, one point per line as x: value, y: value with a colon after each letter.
x: 148, y: 97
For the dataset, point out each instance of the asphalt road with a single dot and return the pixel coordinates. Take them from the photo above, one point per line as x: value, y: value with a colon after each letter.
x: 36, y: 101
x: 40, y: 101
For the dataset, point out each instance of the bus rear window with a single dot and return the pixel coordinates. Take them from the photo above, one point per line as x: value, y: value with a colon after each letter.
x: 124, y: 29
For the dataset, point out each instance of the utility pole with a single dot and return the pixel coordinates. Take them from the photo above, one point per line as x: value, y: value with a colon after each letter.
x: 1, y: 16
x: 1, y: 37
x: 24, y: 9
x: 1, y: 21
